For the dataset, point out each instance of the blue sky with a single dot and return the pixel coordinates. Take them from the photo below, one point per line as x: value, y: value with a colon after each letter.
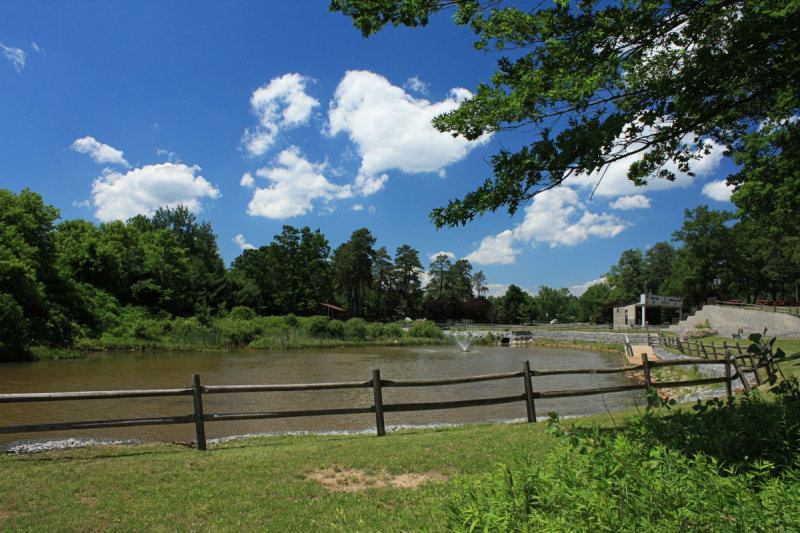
x: 261, y: 114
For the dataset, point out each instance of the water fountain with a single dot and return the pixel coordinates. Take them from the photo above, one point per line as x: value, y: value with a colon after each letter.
x: 464, y: 340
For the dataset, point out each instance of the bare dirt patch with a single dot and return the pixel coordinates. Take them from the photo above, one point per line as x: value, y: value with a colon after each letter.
x: 340, y: 479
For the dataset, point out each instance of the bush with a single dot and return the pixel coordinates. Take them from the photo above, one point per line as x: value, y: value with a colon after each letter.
x: 240, y: 332
x: 316, y: 326
x: 425, y: 329
x: 355, y: 329
x: 376, y: 330
x: 291, y: 320
x: 335, y: 329
x: 242, y: 313
x: 393, y: 331
x: 727, y: 466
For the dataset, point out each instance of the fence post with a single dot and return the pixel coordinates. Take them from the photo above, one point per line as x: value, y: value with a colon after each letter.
x: 376, y: 389
x: 754, y: 364
x: 728, y: 387
x: 531, y: 408
x: 648, y: 383
x: 742, y: 377
x: 199, y: 423
x: 703, y: 346
x: 714, y: 347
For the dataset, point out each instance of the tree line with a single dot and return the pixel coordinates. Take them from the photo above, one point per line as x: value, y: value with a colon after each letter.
x: 65, y: 280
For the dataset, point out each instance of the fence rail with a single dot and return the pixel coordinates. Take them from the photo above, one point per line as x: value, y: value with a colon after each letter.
x: 528, y: 395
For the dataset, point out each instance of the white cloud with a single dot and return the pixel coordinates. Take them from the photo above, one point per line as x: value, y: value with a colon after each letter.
x: 578, y: 290
x: 358, y: 207
x: 242, y: 244
x: 15, y: 55
x: 296, y: 183
x: 37, y: 48
x: 282, y: 103
x: 613, y: 180
x: 558, y: 218
x: 497, y: 250
x: 417, y: 85
x: 371, y: 210
x: 636, y: 201
x: 82, y: 203
x: 247, y: 181
x: 120, y: 196
x: 718, y: 190
x: 496, y: 289
x: 101, y: 153
x: 450, y: 255
x: 392, y: 130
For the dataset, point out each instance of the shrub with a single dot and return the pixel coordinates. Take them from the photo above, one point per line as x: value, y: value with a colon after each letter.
x: 393, y: 330
x: 376, y: 330
x: 425, y: 329
x: 355, y: 329
x: 291, y: 320
x: 242, y: 313
x: 316, y: 326
x: 240, y: 332
x: 335, y: 329
x: 727, y: 466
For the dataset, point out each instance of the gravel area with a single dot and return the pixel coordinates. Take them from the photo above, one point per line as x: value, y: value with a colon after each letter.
x: 27, y: 447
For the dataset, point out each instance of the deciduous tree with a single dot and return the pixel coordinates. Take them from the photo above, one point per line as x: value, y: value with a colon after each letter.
x: 649, y: 82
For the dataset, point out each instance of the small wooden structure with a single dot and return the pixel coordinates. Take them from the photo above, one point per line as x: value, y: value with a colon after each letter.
x: 332, y: 308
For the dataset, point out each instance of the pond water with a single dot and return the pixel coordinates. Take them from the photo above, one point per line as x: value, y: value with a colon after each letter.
x: 124, y: 371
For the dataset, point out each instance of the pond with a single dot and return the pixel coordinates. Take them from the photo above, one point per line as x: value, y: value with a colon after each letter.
x: 124, y: 371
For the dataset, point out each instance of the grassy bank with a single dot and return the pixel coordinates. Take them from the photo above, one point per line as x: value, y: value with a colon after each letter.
x: 241, y: 328
x: 721, y: 466
x: 257, y: 484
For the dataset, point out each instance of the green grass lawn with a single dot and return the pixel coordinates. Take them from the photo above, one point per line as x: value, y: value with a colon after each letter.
x: 257, y: 484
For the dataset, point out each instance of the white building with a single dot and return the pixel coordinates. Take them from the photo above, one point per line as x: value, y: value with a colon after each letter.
x: 646, y: 311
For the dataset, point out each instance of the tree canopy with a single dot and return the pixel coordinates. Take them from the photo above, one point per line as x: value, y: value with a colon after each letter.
x: 650, y: 82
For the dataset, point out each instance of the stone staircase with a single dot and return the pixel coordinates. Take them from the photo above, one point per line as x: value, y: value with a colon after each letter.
x: 728, y: 320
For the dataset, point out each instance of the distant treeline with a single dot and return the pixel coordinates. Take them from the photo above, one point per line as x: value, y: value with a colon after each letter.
x: 74, y: 282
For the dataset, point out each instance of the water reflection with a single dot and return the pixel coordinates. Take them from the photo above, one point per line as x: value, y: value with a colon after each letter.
x: 115, y: 371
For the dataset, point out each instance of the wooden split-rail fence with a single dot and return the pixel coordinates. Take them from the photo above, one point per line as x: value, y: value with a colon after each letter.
x: 379, y: 408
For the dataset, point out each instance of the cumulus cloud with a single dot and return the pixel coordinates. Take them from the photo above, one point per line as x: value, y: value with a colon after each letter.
x: 99, y: 152
x: 718, y: 190
x: 242, y: 244
x: 357, y: 207
x: 557, y: 217
x: 15, y: 55
x: 497, y: 250
x: 578, y: 290
x: 282, y: 103
x: 496, y: 289
x: 296, y: 183
x: 613, y: 180
x: 118, y: 196
x: 247, y: 181
x: 450, y: 255
x: 391, y: 130
x: 636, y: 201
